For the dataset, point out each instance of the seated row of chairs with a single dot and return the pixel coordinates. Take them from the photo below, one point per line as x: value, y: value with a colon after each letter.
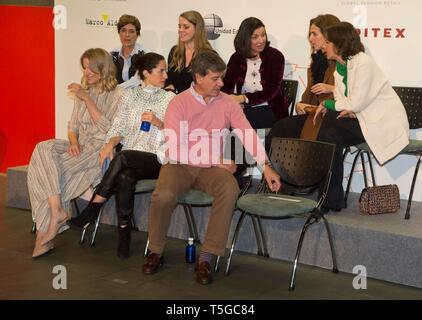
x: 303, y: 166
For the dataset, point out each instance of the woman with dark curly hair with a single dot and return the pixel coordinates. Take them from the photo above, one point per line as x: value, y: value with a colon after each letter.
x: 370, y: 110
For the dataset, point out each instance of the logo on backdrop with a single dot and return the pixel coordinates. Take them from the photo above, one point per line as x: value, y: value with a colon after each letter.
x: 380, y: 32
x: 103, y: 20
x: 214, y: 27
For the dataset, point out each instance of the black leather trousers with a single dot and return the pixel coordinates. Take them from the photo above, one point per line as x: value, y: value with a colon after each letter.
x: 126, y: 168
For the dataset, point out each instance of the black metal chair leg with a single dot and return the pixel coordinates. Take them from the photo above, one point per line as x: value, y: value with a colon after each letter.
x: 371, y: 168
x: 193, y: 223
x: 34, y: 227
x: 236, y: 233
x: 299, y: 247
x: 97, y: 222
x: 82, y: 239
x: 362, y: 161
x: 146, y: 248
x: 192, y: 229
x: 330, y: 240
x: 345, y: 152
x: 187, y: 216
x: 409, y: 201
x: 349, y: 183
x: 264, y: 241
x: 257, y: 236
x: 217, y: 264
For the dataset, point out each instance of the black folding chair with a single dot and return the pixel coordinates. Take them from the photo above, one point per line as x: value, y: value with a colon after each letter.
x: 303, y: 165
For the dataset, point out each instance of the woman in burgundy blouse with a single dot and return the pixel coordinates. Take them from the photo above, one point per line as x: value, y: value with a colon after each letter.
x: 254, y: 75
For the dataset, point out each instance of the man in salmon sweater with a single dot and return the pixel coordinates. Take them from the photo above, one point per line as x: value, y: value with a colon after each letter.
x: 195, y: 125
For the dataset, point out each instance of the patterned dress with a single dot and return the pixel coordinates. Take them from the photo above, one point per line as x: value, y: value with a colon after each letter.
x: 52, y: 171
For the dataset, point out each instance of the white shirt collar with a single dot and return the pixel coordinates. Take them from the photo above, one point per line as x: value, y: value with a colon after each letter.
x: 136, y: 48
x: 198, y: 97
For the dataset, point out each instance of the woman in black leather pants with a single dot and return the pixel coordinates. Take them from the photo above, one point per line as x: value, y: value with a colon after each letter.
x: 141, y: 151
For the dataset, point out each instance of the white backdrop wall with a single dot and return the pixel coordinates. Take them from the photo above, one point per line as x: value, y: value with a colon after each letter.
x: 392, y: 38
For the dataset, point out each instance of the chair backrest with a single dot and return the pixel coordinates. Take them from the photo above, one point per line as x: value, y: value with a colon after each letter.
x: 290, y: 91
x: 301, y: 163
x: 412, y: 101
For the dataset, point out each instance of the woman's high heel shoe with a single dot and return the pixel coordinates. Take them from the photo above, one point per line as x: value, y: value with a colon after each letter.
x: 42, y: 250
x: 88, y: 215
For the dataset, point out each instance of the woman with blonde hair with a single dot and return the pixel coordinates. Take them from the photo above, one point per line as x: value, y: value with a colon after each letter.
x: 192, y: 40
x: 61, y: 170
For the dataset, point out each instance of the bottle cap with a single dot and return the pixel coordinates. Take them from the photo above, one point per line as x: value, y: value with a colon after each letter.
x: 190, y: 240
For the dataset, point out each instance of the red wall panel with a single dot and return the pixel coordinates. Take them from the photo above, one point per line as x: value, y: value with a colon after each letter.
x: 27, y: 85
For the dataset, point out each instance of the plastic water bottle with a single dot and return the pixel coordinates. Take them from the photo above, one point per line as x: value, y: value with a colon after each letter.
x: 190, y: 251
x: 146, y: 125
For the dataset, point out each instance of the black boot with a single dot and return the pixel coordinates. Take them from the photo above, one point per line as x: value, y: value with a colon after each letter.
x: 123, y: 247
x: 88, y: 215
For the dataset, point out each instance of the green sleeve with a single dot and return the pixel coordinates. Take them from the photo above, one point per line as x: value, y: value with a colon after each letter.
x: 330, y: 104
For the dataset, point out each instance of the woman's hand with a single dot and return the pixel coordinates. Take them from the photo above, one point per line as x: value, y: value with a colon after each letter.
x: 321, y: 110
x: 78, y: 91
x: 346, y: 114
x: 150, y: 117
x: 320, y: 88
x: 300, y: 108
x: 304, y: 108
x: 74, y: 149
x: 106, y: 152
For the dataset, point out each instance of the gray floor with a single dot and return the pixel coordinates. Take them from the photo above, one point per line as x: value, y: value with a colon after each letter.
x: 96, y: 272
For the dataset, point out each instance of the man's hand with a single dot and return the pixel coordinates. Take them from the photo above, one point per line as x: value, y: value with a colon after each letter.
x: 272, y: 178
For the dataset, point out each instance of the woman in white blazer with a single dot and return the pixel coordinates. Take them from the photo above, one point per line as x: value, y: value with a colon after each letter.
x: 370, y: 110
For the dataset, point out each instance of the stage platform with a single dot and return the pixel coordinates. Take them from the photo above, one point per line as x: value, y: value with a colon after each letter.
x: 388, y: 246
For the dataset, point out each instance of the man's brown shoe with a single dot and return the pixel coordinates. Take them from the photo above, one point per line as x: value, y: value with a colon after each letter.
x: 203, y: 272
x: 154, y: 261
